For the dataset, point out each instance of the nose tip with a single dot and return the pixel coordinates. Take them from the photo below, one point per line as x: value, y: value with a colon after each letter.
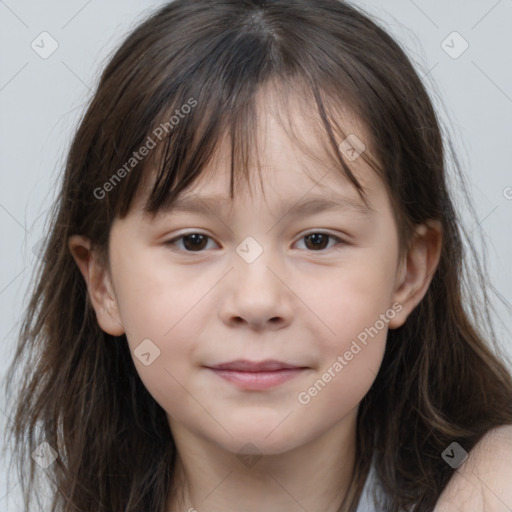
x: 254, y: 293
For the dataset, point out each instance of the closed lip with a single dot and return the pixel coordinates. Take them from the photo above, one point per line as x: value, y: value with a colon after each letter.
x: 243, y: 365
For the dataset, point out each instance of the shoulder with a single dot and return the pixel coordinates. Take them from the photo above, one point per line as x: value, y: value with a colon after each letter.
x: 483, y: 483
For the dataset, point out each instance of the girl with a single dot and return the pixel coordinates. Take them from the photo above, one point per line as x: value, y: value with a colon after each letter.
x: 303, y: 343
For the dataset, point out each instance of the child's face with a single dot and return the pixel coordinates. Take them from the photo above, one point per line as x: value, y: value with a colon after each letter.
x: 313, y: 303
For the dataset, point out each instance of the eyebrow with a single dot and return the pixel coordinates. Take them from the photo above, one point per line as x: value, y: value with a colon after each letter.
x: 306, y: 206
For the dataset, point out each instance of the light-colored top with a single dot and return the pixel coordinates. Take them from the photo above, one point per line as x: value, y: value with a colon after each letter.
x: 367, y: 503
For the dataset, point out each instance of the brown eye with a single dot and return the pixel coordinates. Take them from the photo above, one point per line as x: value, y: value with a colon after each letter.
x: 316, y: 241
x: 194, y: 242
x: 319, y: 241
x: 191, y: 242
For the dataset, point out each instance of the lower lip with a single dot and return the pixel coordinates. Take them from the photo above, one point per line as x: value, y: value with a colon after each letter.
x: 258, y: 380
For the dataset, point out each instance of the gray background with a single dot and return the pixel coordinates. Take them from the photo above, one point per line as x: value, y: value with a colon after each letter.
x: 41, y: 101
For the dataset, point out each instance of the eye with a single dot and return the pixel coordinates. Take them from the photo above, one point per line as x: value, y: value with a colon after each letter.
x: 317, y: 240
x: 192, y: 242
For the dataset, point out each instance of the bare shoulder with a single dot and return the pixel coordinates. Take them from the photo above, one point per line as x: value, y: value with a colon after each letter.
x: 483, y: 483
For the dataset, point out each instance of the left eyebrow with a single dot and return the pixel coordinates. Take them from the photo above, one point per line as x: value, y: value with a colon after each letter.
x: 305, y: 206
x: 312, y: 205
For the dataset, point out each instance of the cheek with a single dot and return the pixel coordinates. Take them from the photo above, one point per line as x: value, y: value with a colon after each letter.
x: 350, y: 363
x: 354, y: 308
x: 155, y: 299
x: 349, y: 300
x: 159, y: 312
x: 163, y: 363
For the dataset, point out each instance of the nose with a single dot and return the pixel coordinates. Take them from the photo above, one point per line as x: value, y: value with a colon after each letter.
x: 257, y: 295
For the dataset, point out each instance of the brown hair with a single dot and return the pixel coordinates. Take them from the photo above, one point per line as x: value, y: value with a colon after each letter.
x: 80, y: 387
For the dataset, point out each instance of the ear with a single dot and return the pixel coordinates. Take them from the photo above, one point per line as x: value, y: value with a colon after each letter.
x: 417, y: 269
x: 99, y: 285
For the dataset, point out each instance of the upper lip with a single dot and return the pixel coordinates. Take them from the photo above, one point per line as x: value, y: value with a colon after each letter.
x: 242, y: 365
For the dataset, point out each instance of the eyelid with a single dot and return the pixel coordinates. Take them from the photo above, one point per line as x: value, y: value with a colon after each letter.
x: 322, y: 232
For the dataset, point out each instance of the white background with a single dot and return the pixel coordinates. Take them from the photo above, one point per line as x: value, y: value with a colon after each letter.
x: 41, y: 101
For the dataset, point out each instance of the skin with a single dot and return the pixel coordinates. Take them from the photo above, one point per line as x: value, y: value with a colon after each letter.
x: 294, y: 303
x: 482, y: 482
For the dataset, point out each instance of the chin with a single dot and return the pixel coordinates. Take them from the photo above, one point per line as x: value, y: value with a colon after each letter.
x: 262, y: 438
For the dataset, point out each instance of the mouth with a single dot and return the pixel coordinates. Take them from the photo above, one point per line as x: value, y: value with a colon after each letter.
x: 251, y: 375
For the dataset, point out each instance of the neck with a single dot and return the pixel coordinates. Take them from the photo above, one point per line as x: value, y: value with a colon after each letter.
x: 313, y: 476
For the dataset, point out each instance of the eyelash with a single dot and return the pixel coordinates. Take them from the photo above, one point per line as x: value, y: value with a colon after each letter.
x: 184, y: 235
